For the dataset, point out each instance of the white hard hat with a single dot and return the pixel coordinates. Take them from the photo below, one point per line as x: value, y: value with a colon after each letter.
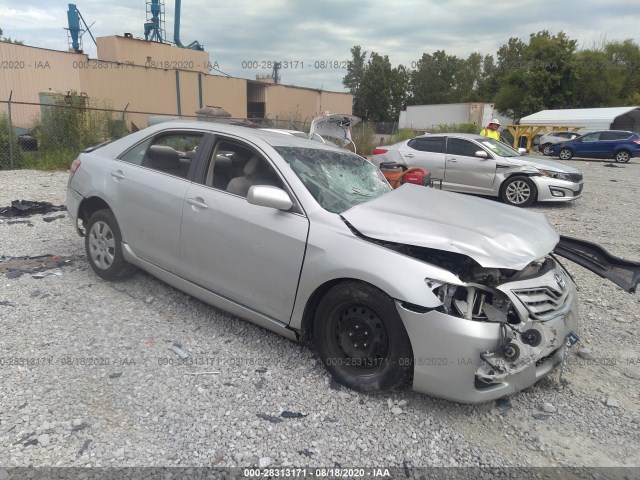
x: 495, y: 120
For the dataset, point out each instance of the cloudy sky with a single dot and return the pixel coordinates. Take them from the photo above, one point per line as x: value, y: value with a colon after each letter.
x: 239, y: 34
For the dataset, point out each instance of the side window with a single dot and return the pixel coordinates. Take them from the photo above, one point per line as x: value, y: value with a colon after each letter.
x: 465, y: 148
x: 169, y: 153
x: 620, y: 135
x: 592, y: 137
x: 235, y: 168
x: 434, y: 145
x: 136, y: 154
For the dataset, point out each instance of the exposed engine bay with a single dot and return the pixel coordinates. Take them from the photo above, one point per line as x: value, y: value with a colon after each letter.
x: 524, y: 337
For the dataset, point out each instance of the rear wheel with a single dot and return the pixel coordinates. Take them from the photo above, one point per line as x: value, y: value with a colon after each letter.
x: 546, y: 149
x: 361, y: 339
x: 566, y: 154
x: 519, y: 191
x: 623, y: 156
x: 103, y: 244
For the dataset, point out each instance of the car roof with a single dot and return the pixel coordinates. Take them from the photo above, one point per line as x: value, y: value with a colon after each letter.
x: 471, y: 136
x: 275, y: 139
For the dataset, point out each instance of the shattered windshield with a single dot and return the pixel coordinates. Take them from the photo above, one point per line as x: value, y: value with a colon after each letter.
x: 499, y: 148
x: 337, y: 180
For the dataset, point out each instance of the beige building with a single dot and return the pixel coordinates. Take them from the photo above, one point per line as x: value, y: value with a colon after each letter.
x: 150, y: 78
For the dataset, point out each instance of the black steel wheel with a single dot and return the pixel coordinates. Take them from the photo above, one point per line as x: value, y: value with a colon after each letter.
x: 361, y: 338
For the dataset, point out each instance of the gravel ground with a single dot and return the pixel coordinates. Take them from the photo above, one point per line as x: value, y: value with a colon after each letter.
x: 132, y: 403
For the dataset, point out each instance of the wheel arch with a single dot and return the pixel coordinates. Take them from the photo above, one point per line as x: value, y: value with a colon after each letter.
x: 308, y: 317
x: 89, y: 206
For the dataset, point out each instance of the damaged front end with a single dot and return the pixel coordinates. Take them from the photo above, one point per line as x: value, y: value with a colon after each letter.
x: 524, y: 304
x: 495, y: 333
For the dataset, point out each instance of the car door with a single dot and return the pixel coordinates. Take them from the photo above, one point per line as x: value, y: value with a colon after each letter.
x: 465, y: 172
x: 425, y: 152
x: 588, y: 146
x: 146, y: 188
x: 247, y: 253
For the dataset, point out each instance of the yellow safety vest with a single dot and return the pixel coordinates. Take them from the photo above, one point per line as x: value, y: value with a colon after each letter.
x: 490, y: 133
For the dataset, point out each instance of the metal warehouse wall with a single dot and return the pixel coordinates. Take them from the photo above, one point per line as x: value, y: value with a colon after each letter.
x: 31, y: 71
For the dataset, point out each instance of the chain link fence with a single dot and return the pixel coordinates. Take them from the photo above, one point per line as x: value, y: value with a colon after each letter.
x: 50, y: 134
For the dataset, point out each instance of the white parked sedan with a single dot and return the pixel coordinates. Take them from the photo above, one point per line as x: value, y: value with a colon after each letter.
x: 475, y: 164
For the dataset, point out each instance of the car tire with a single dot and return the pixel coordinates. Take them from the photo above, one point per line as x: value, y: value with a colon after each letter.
x: 519, y: 191
x: 361, y: 339
x: 546, y: 149
x: 623, y: 156
x: 103, y: 245
x: 565, y: 154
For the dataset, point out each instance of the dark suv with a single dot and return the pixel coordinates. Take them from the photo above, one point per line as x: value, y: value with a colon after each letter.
x: 617, y: 144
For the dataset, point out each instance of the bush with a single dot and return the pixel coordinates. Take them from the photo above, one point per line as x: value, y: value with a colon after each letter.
x: 363, y: 136
x: 5, y: 150
x: 403, y: 135
x: 455, y: 128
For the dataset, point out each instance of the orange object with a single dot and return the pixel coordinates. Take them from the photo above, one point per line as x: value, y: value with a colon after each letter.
x: 400, y: 174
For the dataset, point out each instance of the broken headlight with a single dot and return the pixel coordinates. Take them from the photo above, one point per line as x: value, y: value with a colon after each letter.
x: 474, y: 302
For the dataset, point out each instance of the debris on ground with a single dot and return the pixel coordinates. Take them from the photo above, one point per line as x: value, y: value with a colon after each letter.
x: 177, y: 349
x: 14, y: 267
x: 269, y: 418
x: 613, y: 165
x: 287, y: 414
x: 25, y: 208
x: 51, y: 219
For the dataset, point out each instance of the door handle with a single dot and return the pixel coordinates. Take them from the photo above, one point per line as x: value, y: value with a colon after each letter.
x: 197, y: 202
x: 409, y: 155
x: 117, y: 174
x: 453, y: 160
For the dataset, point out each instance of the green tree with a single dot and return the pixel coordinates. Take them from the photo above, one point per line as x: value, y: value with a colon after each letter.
x: 536, y: 76
x: 353, y: 79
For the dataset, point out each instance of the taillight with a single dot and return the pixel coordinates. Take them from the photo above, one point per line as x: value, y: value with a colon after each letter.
x: 75, y: 165
x: 637, y: 141
x: 379, y: 151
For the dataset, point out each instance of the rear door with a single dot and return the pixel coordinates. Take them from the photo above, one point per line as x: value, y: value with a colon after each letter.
x: 464, y: 171
x: 146, y: 187
x: 425, y: 152
x: 246, y: 253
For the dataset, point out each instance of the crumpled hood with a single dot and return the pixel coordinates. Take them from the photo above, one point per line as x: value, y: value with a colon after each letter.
x: 493, y: 234
x: 542, y: 163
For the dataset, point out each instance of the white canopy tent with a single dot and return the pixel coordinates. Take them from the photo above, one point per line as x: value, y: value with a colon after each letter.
x: 611, y: 118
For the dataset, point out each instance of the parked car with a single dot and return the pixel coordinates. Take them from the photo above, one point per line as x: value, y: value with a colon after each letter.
x: 475, y: 164
x: 547, y: 140
x: 617, y: 144
x: 461, y: 295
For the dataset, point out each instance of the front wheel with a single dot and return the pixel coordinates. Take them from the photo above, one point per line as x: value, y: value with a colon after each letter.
x: 566, y: 154
x: 361, y: 339
x: 546, y: 149
x: 103, y: 244
x: 519, y: 191
x: 622, y: 156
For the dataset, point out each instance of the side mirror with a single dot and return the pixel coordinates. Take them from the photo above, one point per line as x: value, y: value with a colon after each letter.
x: 522, y: 150
x: 482, y: 154
x: 270, y: 197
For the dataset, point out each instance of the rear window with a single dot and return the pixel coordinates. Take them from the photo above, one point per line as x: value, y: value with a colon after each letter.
x: 434, y: 144
x: 615, y: 135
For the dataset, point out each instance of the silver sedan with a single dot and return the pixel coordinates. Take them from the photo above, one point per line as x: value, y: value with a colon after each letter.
x: 475, y: 164
x: 463, y: 297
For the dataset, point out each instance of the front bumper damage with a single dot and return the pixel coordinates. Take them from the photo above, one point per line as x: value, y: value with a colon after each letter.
x: 473, y: 361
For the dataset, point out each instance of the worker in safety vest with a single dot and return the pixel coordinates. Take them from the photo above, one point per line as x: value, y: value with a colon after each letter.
x: 491, y: 130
